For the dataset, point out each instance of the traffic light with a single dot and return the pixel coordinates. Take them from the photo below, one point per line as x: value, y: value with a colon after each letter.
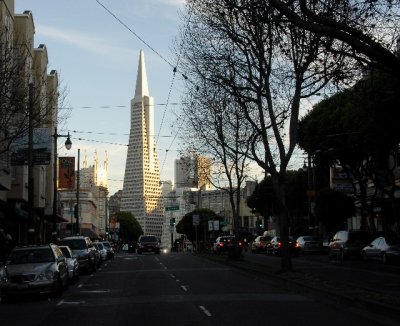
x: 172, y: 221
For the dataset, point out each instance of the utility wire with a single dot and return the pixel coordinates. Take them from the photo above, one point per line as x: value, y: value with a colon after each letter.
x: 135, y: 34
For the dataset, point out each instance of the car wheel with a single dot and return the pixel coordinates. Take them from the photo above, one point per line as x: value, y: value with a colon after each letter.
x: 384, y: 259
x: 364, y: 256
x: 59, y: 290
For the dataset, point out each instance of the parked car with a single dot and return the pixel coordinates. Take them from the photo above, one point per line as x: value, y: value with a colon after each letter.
x: 102, y: 251
x: 82, y: 248
x: 274, y: 247
x: 225, y: 244
x: 385, y: 249
x: 310, y: 244
x: 148, y: 243
x: 33, y: 270
x: 260, y: 244
x: 109, y: 248
x: 345, y: 244
x: 72, y: 263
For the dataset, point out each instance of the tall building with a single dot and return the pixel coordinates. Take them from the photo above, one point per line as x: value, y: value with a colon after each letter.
x: 193, y: 172
x: 141, y: 194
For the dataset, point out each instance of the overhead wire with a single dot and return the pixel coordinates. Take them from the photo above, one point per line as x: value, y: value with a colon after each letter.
x: 175, y: 69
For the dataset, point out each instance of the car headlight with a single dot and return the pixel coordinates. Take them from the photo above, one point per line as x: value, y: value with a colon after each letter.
x: 46, y: 275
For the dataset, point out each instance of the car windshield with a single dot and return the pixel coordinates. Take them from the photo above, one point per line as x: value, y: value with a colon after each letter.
x: 30, y: 256
x: 66, y: 252
x: 309, y: 238
x: 148, y: 239
x: 99, y: 246
x: 106, y: 245
x: 74, y: 244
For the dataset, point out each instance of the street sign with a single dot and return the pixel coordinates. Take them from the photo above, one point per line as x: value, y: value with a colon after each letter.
x: 172, y: 208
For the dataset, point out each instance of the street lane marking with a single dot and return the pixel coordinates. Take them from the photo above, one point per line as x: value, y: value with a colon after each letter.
x: 172, y: 275
x: 95, y: 291
x: 184, y: 288
x: 206, y: 312
x: 70, y: 302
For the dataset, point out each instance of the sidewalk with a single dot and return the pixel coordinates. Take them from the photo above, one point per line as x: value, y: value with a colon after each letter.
x: 369, y: 299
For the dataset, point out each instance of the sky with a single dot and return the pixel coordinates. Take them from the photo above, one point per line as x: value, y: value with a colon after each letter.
x: 96, y: 58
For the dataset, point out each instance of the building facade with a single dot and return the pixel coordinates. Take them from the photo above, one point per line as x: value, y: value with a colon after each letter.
x: 29, y: 109
x: 141, y: 194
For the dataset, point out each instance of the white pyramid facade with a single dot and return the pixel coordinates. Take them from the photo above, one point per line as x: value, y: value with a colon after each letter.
x: 141, y: 194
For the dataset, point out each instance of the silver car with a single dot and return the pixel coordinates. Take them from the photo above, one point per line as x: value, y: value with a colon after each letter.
x: 102, y: 250
x: 33, y: 270
x: 72, y: 262
x: 82, y: 248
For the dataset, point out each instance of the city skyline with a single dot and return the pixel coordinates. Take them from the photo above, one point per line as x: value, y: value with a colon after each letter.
x: 94, y: 55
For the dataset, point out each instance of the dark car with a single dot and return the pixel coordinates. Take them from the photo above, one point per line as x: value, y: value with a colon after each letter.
x: 349, y: 243
x: 274, y: 247
x: 310, y: 244
x: 385, y: 249
x: 82, y: 248
x: 148, y: 243
x: 33, y: 270
x: 225, y: 244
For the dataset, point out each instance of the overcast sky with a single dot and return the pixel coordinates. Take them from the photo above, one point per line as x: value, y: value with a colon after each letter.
x: 97, y: 57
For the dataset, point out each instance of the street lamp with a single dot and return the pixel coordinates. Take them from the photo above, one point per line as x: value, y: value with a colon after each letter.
x: 68, y: 145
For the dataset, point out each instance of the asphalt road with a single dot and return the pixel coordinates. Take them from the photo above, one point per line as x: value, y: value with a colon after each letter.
x: 180, y: 289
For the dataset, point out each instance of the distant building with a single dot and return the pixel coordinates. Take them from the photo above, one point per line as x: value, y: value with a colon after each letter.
x: 141, y: 194
x: 193, y: 172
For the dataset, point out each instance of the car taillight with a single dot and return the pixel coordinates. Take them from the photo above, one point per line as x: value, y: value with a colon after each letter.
x: 279, y: 244
x: 221, y: 244
x: 297, y: 245
x: 240, y: 243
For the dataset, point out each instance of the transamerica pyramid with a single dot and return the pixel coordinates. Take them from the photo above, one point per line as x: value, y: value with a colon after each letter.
x: 141, y: 194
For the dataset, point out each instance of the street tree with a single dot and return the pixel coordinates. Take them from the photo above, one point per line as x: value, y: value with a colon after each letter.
x: 200, y: 232
x: 366, y: 31
x: 22, y: 86
x: 214, y: 127
x: 130, y: 229
x: 266, y: 65
x: 356, y: 129
x: 332, y: 209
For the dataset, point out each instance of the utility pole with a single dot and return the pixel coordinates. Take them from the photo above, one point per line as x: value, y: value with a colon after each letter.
x: 31, y: 214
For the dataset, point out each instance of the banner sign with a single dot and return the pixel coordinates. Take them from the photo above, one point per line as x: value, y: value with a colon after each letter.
x: 66, y: 172
x: 41, y: 148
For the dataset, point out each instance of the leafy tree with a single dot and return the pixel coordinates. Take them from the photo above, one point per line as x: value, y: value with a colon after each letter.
x: 130, y: 229
x: 332, y: 208
x: 185, y: 225
x: 352, y: 130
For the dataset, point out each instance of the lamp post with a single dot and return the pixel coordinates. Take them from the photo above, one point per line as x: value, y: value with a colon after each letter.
x: 68, y: 145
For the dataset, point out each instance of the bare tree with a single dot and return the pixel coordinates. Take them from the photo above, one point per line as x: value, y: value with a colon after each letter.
x: 369, y: 29
x: 214, y: 127
x: 267, y: 65
x: 16, y: 75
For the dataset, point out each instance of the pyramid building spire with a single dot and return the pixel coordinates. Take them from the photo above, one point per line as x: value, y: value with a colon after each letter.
x: 142, y: 86
x: 141, y: 194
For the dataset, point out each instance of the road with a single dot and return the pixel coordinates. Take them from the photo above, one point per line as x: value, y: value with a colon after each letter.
x: 180, y: 289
